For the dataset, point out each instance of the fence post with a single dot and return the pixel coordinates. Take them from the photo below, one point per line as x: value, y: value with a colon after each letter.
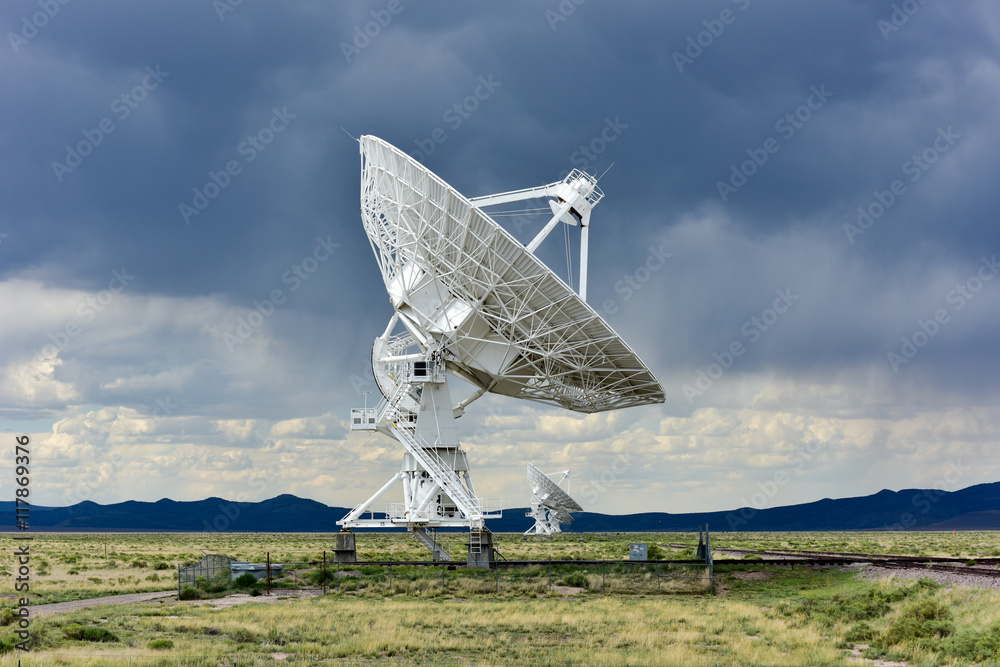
x: 604, y: 576
x: 268, y: 572
x: 442, y: 574
x: 390, y: 574
x: 709, y: 563
x: 550, y: 573
x: 178, y: 581
x: 323, y: 577
x: 496, y: 565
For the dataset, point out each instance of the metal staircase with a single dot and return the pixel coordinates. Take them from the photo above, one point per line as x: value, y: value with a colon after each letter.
x: 437, y: 487
x: 399, y: 422
x: 449, y: 480
x: 438, y: 549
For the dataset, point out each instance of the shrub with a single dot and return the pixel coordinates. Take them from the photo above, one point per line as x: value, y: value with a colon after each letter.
x: 927, y: 619
x: 244, y: 636
x: 245, y: 580
x: 153, y: 577
x: 215, y: 585
x: 654, y: 552
x: 318, y: 576
x: 866, y: 606
x: 161, y: 566
x: 160, y: 644
x: 976, y: 646
x: 8, y: 615
x: 576, y: 579
x: 861, y: 633
x: 139, y: 563
x: 190, y: 593
x: 88, y: 633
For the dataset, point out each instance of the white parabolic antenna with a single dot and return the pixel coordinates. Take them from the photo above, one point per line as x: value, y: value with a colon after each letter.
x: 550, y: 505
x: 471, y: 300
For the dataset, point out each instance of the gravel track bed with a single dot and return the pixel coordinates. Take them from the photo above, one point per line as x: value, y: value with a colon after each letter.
x: 765, y: 557
x: 874, y: 573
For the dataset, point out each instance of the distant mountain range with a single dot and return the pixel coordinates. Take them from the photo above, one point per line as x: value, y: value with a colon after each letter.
x: 973, y: 508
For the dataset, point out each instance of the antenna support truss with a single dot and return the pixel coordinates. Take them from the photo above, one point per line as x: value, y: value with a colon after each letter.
x: 572, y: 200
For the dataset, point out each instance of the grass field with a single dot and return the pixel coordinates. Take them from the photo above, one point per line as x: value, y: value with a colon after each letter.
x: 762, y: 615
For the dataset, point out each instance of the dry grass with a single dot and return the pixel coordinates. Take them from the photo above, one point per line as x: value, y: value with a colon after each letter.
x: 593, y: 631
x: 780, y: 617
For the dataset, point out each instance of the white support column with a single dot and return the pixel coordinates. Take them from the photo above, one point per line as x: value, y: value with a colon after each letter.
x: 537, y: 241
x: 584, y: 250
x: 515, y: 195
x: 360, y: 509
x: 427, y: 499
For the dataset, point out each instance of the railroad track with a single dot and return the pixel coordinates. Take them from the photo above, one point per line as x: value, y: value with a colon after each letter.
x: 935, y: 563
x: 846, y: 555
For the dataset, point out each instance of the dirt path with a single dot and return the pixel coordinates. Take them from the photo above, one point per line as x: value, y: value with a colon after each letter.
x: 277, y: 595
x: 228, y: 601
x: 63, y: 607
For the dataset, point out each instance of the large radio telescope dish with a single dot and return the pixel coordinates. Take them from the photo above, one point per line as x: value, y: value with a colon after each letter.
x: 471, y: 300
x: 513, y: 327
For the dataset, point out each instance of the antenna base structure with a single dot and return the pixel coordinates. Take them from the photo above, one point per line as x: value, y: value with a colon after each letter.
x: 416, y: 410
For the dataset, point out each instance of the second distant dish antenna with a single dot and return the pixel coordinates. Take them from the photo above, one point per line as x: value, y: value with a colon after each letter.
x: 550, y: 505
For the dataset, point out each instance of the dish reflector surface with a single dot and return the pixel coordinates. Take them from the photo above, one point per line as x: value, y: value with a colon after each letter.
x: 551, y: 495
x: 509, y: 324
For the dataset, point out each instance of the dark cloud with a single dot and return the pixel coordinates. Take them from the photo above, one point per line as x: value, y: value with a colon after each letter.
x: 848, y: 104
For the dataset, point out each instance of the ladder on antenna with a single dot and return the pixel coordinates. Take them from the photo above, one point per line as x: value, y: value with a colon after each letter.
x: 404, y: 430
x: 475, y: 541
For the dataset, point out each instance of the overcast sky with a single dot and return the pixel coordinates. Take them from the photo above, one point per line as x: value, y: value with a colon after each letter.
x: 799, y: 237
